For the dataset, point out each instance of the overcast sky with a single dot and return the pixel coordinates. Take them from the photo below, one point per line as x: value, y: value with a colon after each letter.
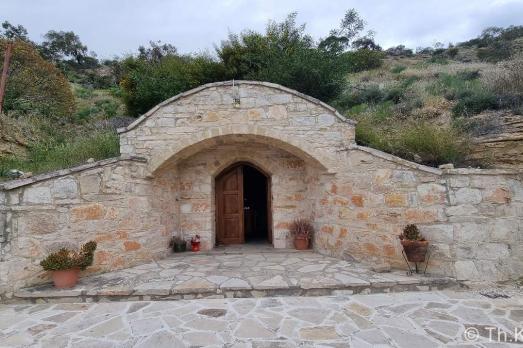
x: 118, y: 27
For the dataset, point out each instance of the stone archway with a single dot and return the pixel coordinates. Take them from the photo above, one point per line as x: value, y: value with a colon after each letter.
x: 191, y: 179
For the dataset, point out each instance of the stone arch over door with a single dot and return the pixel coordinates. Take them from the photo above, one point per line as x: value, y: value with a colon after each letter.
x: 273, y: 114
x: 192, y: 173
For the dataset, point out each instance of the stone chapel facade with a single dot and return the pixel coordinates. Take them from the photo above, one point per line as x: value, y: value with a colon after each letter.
x: 172, y: 158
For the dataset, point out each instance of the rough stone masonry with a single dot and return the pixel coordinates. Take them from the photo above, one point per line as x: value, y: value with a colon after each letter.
x: 163, y: 185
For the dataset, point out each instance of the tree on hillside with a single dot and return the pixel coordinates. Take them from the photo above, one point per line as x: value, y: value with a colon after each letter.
x: 12, y: 32
x: 156, y: 51
x: 146, y: 83
x: 366, y: 43
x: 399, y: 51
x: 340, y: 39
x: 285, y: 54
x: 61, y: 45
x: 35, y: 86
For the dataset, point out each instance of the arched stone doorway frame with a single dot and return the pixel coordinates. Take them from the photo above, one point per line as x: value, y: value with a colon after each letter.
x: 303, y: 151
x: 178, y: 161
x: 225, y: 169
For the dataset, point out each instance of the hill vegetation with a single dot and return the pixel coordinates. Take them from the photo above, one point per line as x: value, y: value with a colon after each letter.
x: 428, y: 105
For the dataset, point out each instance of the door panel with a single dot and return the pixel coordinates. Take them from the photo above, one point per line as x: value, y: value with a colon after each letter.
x: 229, y: 207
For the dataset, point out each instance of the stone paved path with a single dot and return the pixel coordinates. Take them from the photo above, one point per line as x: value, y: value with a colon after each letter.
x: 408, y: 319
x: 246, y: 273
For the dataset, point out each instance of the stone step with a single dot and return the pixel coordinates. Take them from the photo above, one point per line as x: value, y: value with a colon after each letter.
x: 235, y: 289
x: 235, y: 274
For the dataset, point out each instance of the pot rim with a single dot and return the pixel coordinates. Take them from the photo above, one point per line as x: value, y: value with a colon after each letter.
x: 408, y: 241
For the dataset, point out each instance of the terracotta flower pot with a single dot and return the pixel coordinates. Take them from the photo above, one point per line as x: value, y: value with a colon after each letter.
x: 195, y: 246
x: 65, y: 279
x: 301, y: 243
x: 415, y: 249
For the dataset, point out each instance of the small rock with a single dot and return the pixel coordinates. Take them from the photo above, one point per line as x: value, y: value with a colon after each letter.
x: 446, y: 166
x: 90, y: 160
x: 319, y: 333
x: 15, y: 173
x: 213, y: 312
x: 381, y: 268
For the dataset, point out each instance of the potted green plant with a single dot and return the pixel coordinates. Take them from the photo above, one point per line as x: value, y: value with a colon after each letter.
x: 302, y: 231
x: 65, y: 264
x: 178, y: 244
x: 414, y: 245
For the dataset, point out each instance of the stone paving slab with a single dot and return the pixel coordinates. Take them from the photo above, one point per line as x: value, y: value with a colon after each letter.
x: 407, y: 320
x: 244, y: 273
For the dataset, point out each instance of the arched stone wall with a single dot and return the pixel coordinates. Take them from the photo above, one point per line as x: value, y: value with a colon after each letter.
x: 294, y: 185
x: 273, y: 114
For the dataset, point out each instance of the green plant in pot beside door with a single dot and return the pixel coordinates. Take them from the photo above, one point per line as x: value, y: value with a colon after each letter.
x: 178, y: 244
x: 414, y: 245
x: 66, y: 264
x: 302, y: 231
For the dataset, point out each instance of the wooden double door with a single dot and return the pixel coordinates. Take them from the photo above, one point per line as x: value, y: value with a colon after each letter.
x: 243, y: 205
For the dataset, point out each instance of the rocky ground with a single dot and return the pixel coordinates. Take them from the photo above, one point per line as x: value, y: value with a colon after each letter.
x: 407, y: 319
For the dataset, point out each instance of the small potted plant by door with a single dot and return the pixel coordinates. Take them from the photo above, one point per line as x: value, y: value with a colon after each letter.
x: 178, y: 244
x: 302, y: 231
x: 414, y: 245
x: 66, y: 264
x: 195, y: 243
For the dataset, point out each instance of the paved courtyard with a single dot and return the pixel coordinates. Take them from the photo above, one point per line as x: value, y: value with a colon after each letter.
x: 236, y: 272
x: 407, y: 319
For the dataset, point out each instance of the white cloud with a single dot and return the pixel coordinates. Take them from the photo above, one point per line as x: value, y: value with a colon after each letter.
x: 118, y: 27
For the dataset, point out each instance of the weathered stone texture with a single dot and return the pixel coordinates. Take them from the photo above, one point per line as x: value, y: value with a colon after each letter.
x: 359, y: 198
x: 71, y: 210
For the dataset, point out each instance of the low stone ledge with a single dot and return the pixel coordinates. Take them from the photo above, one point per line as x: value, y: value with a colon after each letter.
x: 48, y: 294
x: 479, y: 171
x: 436, y: 171
x: 396, y: 159
x: 254, y: 293
x: 9, y: 185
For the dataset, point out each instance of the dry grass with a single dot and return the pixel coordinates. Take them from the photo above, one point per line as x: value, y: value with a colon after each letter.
x: 505, y: 77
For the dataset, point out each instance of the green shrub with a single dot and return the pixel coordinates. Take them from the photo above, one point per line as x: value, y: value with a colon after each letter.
x: 363, y: 59
x: 368, y: 95
x: 438, y: 60
x: 66, y: 259
x: 108, y: 107
x: 358, y: 109
x: 44, y: 157
x: 494, y: 53
x: 146, y: 84
x: 83, y: 93
x: 431, y: 144
x: 471, y: 96
x: 382, y: 111
x: 83, y: 113
x: 368, y: 134
x: 452, y: 52
x: 421, y: 142
x: 468, y: 75
x: 398, y: 69
x: 395, y: 94
x: 411, y: 232
x: 473, y: 102
x: 407, y: 82
x: 35, y: 85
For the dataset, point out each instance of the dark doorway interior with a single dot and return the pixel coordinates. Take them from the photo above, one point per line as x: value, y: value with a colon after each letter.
x: 255, y: 205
